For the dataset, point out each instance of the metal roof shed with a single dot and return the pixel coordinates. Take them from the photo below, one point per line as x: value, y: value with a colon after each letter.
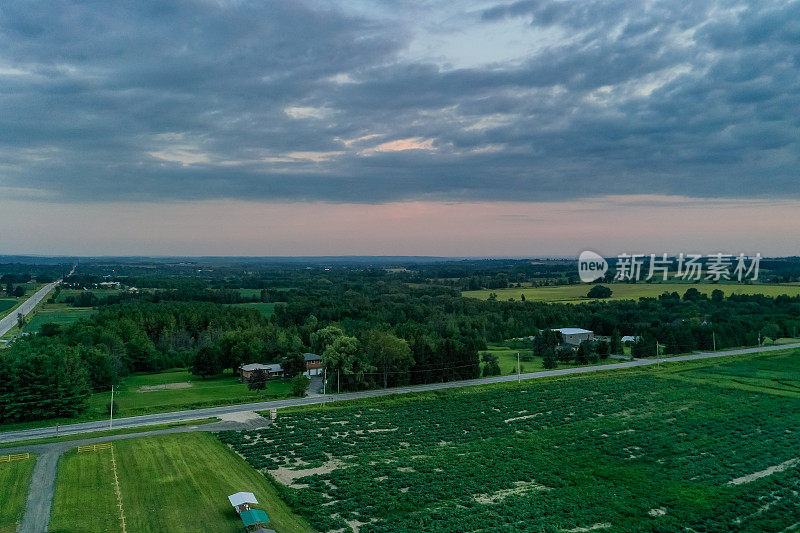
x: 242, y: 497
x: 254, y: 516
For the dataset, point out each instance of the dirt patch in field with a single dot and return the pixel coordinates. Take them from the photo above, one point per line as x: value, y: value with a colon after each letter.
x: 287, y: 476
x: 520, y: 487
x: 593, y: 527
x: 166, y: 386
x: 764, y: 473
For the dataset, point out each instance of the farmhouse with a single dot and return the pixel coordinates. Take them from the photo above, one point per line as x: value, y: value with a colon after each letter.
x: 575, y: 336
x: 313, y: 364
x: 246, y: 371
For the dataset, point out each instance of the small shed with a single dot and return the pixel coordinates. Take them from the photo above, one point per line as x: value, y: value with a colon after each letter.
x: 254, y: 517
x: 242, y: 501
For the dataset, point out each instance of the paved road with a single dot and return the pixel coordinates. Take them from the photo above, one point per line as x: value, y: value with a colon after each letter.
x: 194, y: 414
x: 27, y: 306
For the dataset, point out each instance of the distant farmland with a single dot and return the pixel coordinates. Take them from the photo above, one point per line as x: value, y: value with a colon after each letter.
x: 628, y: 291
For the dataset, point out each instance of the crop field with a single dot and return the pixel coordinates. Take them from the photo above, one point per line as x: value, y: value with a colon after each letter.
x: 56, y: 314
x: 628, y: 291
x: 167, y: 483
x: 15, y: 477
x: 631, y: 451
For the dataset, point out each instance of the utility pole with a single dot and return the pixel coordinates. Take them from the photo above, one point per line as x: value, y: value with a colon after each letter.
x: 111, y: 419
x: 325, y: 380
x: 338, y: 373
x: 714, y: 339
x: 519, y: 379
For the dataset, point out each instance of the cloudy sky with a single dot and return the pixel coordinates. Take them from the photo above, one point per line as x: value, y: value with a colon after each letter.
x: 380, y: 127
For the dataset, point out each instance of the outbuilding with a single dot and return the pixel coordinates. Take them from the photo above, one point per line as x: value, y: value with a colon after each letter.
x: 575, y: 336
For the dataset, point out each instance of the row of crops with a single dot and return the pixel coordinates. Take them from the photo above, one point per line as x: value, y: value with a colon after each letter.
x: 634, y: 452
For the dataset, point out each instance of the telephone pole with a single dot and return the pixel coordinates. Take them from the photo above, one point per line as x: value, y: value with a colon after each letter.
x: 338, y: 373
x: 519, y: 378
x: 111, y: 419
x: 714, y: 339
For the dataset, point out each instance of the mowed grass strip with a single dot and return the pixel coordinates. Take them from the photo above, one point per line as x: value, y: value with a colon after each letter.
x: 85, y: 499
x: 15, y: 476
x: 628, y: 291
x: 168, y: 482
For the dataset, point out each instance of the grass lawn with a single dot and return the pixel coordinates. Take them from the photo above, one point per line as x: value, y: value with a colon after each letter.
x: 779, y: 374
x: 57, y: 314
x: 507, y: 358
x: 131, y: 400
x: 628, y: 291
x: 14, y: 480
x: 168, y: 483
x: 265, y: 308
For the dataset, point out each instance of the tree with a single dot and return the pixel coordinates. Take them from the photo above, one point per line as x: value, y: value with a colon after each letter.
x: 20, y: 320
x: 300, y: 385
x: 50, y: 329
x: 599, y: 291
x: 389, y: 354
x: 258, y: 379
x: 325, y: 337
x: 343, y: 357
x: 549, y: 358
x: 491, y: 364
x: 717, y: 295
x: 615, y: 346
x: 207, y: 362
x: 293, y: 364
x: 603, y: 348
x: 19, y: 291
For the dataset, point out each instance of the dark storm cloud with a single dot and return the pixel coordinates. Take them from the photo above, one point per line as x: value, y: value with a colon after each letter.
x: 290, y: 100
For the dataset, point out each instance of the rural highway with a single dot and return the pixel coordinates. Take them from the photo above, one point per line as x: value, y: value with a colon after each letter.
x: 178, y: 416
x: 27, y: 306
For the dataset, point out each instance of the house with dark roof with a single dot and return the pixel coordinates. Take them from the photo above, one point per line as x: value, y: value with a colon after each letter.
x: 313, y: 364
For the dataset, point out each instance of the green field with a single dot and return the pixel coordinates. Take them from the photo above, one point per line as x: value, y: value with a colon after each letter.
x: 627, y: 291
x: 56, y: 314
x: 507, y: 358
x: 167, y: 483
x: 6, y: 304
x: 630, y: 451
x: 131, y: 400
x: 778, y: 374
x: 265, y: 308
x: 15, y: 477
